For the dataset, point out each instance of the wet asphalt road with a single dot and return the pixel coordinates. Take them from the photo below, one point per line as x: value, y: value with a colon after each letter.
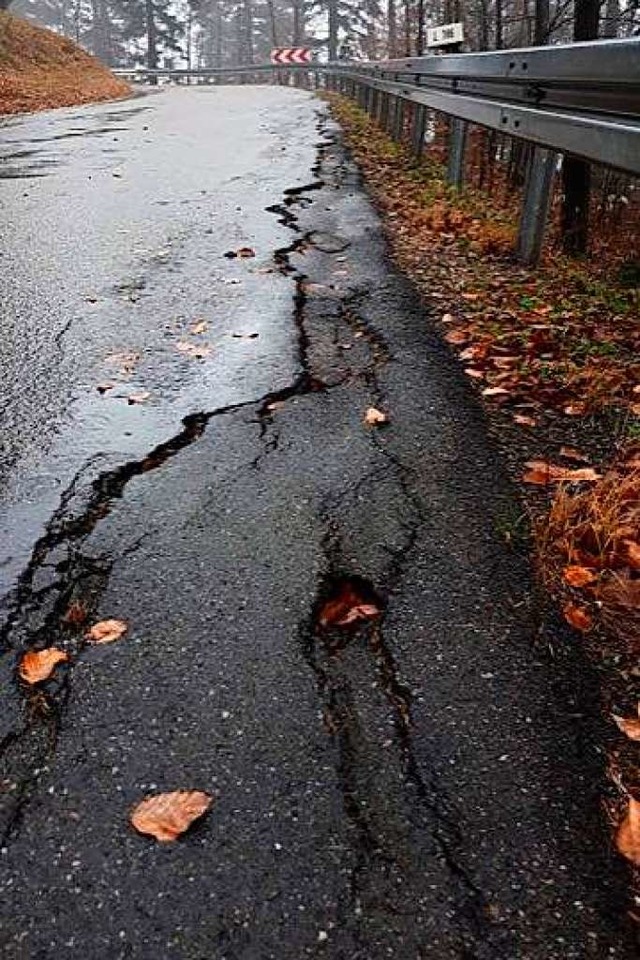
x: 423, y: 787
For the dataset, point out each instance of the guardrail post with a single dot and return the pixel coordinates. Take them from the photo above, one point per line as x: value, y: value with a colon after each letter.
x: 398, y: 120
x: 419, y: 127
x: 535, y: 208
x: 457, y: 148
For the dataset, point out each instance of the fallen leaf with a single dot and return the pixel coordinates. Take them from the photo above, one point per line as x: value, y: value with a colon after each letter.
x: 200, y: 327
x: 577, y: 576
x: 540, y: 472
x: 457, y: 336
x: 363, y: 611
x: 577, y: 617
x: 75, y: 614
x: 125, y: 361
x: 628, y: 833
x: 572, y: 454
x: 138, y: 397
x: 523, y: 421
x: 166, y: 816
x: 104, y: 387
x: 448, y: 318
x: 629, y: 725
x: 474, y: 374
x: 575, y: 409
x: 243, y: 253
x: 346, y: 607
x: 374, y: 417
x: 632, y: 550
x: 193, y: 350
x: 495, y: 392
x: 106, y: 631
x: 39, y: 665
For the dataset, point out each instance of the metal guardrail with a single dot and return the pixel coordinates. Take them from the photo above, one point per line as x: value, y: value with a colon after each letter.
x: 581, y: 99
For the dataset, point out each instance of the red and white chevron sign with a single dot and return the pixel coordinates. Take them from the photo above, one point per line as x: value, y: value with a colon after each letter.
x: 287, y: 55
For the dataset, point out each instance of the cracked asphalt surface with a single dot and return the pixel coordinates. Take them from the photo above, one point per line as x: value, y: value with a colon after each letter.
x: 420, y: 786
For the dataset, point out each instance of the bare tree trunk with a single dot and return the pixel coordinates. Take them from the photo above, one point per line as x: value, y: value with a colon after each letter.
x: 219, y: 38
x: 298, y: 23
x: 541, y: 29
x: 333, y: 29
x: 392, y: 29
x: 483, y: 27
x: 407, y: 28
x: 611, y: 19
x: 421, y: 41
x: 246, y: 33
x: 273, y: 29
x: 499, y: 26
x: 152, y: 39
x: 576, y: 174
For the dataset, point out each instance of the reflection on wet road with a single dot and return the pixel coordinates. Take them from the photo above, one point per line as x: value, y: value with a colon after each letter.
x: 116, y: 220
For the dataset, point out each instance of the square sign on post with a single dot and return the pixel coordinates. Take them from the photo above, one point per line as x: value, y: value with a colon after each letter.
x: 446, y: 35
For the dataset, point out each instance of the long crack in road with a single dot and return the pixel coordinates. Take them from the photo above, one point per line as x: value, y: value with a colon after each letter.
x: 418, y: 785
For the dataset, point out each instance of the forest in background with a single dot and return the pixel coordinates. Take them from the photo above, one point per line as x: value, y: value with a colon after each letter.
x: 213, y: 33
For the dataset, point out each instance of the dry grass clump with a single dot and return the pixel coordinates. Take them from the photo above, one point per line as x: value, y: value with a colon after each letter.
x: 589, y: 550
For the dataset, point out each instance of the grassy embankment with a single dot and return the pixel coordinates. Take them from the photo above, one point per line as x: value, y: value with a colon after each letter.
x: 40, y: 70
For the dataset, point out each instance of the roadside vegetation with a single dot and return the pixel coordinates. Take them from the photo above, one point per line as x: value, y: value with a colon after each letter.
x: 40, y: 70
x: 554, y: 352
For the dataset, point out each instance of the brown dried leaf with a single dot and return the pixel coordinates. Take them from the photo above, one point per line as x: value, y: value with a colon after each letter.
x: 474, y: 374
x: 495, y: 392
x: 106, y: 631
x: 632, y: 551
x: 139, y: 397
x: 105, y: 387
x: 629, y: 725
x: 198, y: 352
x: 375, y: 418
x: 363, y: 611
x: 457, y: 337
x: 166, y: 816
x: 523, y: 421
x: 575, y: 409
x: 541, y: 472
x: 628, y: 833
x: 572, y: 454
x: 126, y: 362
x: 76, y: 614
x: 39, y: 665
x: 243, y: 253
x: 577, y: 576
x: 200, y: 327
x: 346, y: 607
x: 578, y: 617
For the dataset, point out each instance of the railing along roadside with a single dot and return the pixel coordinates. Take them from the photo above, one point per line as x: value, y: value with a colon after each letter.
x: 579, y: 99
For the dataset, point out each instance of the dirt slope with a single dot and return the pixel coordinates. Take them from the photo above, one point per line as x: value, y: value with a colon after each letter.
x: 40, y: 70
